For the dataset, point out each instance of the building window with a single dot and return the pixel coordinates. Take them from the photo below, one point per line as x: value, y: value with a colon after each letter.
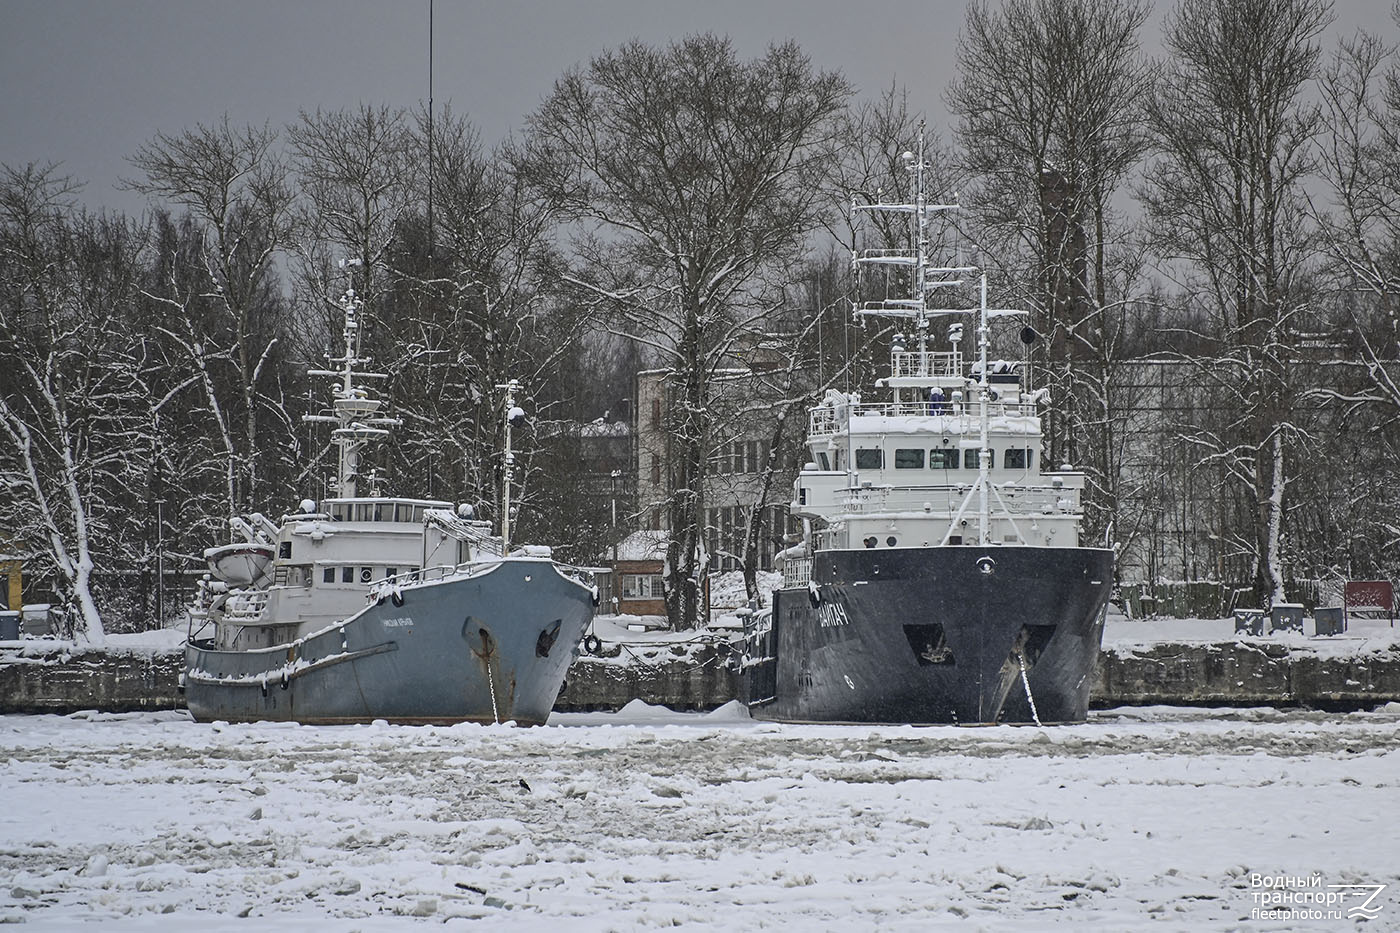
x: 655, y: 470
x: 656, y: 413
x: 972, y: 460
x: 943, y: 458
x: 642, y: 586
x: 870, y: 458
x: 906, y: 458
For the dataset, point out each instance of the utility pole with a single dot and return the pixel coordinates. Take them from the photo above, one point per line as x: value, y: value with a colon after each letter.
x: 513, y: 414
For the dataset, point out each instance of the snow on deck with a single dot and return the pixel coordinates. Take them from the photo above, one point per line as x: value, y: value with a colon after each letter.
x: 647, y: 818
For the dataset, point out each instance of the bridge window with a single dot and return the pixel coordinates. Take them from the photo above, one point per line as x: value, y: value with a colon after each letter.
x: 972, y: 460
x: 1019, y: 458
x: 823, y: 461
x: 943, y: 458
x: 328, y: 575
x: 347, y: 574
x: 908, y: 459
x: 870, y: 458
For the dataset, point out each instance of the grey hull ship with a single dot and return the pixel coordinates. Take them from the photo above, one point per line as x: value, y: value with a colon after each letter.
x: 381, y: 607
x: 941, y: 577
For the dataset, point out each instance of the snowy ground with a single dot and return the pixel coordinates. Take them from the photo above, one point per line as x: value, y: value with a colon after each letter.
x: 649, y: 818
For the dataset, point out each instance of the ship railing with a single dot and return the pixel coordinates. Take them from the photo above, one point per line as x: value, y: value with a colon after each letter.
x: 825, y: 420
x: 967, y: 408
x: 390, y: 585
x: 244, y: 607
x: 797, y: 571
x: 937, y: 364
x: 829, y: 539
x: 1018, y: 499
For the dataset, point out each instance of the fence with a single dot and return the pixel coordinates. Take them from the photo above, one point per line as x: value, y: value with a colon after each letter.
x: 1179, y: 599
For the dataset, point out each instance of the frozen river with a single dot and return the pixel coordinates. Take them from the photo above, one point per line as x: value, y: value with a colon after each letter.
x: 648, y: 818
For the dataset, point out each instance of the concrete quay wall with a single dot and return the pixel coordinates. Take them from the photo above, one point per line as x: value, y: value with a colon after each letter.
x: 1239, y: 673
x: 1246, y: 673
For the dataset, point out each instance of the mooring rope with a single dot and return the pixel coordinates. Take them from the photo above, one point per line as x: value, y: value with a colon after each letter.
x: 491, y: 682
x: 1026, y: 682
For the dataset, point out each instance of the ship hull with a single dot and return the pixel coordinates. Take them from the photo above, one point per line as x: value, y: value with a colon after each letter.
x: 934, y: 635
x: 492, y: 646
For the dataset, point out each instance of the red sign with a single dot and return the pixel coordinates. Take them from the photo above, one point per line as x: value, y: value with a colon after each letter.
x: 1369, y: 594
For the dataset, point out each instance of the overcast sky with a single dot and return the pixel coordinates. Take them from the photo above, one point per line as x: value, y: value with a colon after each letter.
x: 85, y: 82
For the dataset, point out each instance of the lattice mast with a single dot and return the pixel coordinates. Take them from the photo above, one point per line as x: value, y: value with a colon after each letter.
x: 926, y: 368
x: 353, y: 410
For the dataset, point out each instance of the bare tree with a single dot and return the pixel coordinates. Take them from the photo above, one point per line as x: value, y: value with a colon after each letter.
x: 689, y: 172
x: 1049, y: 100
x: 478, y: 310
x: 234, y: 184
x: 1361, y: 164
x: 72, y: 419
x: 1360, y: 227
x: 357, y: 182
x: 1226, y: 201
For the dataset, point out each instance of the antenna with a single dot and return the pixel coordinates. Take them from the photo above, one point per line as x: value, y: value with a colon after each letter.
x: 430, y: 129
x: 353, y: 410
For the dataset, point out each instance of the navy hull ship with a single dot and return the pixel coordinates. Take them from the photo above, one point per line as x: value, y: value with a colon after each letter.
x: 361, y: 608
x: 941, y: 578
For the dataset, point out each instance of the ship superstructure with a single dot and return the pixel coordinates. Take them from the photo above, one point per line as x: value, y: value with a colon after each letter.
x: 366, y: 607
x: 941, y: 564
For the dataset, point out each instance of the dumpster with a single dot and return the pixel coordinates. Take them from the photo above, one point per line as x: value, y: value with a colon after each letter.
x: 1287, y: 617
x: 1249, y: 621
x: 9, y: 625
x: 1329, y: 620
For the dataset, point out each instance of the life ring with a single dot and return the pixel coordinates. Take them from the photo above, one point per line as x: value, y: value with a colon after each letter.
x: 396, y: 598
x: 592, y: 644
